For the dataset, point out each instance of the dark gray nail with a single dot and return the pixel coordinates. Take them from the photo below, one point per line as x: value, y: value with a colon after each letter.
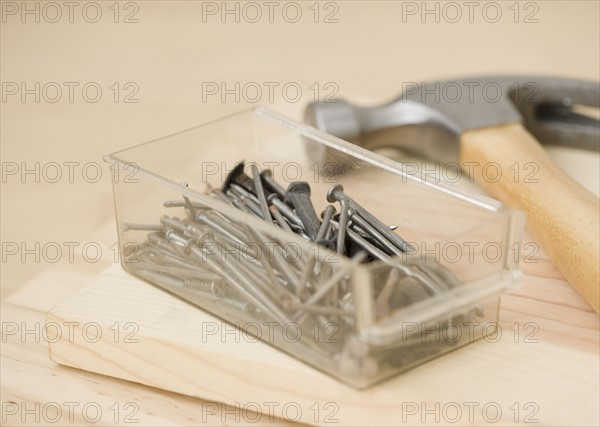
x: 285, y: 210
x: 260, y: 193
x: 342, y: 227
x: 270, y: 184
x: 336, y: 193
x: 374, y: 233
x: 238, y: 176
x: 298, y: 195
x: 327, y: 215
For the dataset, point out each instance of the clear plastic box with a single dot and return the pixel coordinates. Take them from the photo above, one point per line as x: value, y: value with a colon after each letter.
x: 371, y: 320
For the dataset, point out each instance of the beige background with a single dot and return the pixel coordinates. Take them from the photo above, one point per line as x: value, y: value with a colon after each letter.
x: 170, y: 52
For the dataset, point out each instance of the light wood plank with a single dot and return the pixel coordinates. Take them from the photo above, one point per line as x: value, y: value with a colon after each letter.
x: 32, y: 382
x: 558, y: 371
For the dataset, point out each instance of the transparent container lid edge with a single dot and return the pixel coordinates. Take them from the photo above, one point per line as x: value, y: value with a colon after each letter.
x: 227, y: 117
x: 344, y: 146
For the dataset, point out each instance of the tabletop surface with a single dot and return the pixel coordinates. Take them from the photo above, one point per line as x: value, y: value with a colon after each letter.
x: 80, y: 83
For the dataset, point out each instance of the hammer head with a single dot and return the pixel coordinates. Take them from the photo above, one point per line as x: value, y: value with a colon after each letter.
x: 429, y: 117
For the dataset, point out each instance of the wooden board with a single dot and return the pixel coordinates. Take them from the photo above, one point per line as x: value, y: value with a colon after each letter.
x: 33, y: 386
x: 554, y: 380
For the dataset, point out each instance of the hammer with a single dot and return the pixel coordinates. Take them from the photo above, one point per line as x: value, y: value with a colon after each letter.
x: 484, y: 121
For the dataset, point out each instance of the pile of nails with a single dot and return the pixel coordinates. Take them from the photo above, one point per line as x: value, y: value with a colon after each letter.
x: 351, y: 231
x: 189, y: 257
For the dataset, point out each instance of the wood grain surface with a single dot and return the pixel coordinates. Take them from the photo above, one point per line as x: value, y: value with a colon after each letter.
x: 37, y: 391
x: 544, y: 361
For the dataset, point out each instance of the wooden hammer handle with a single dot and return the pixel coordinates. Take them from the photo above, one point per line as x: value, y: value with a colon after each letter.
x: 562, y: 215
